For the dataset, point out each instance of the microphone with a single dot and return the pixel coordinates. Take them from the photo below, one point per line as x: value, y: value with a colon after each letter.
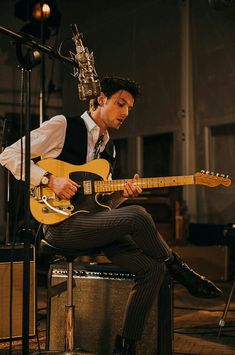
x: 89, y: 85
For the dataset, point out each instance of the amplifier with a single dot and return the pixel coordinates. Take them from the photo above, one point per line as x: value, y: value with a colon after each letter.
x: 12, y: 259
x: 100, y: 295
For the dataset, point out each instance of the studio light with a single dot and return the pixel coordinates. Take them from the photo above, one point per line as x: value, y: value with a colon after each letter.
x: 36, y: 11
x: 41, y: 10
x: 42, y: 19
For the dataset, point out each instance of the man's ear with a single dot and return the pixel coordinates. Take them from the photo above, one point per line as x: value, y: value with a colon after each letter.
x: 102, y: 99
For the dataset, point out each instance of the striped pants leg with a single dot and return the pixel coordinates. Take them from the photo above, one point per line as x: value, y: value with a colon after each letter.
x: 129, y: 238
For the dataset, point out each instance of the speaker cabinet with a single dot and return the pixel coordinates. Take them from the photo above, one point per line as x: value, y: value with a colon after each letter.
x: 100, y: 299
x: 16, y: 255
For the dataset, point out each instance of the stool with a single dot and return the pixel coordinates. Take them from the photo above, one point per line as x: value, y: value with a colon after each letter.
x: 70, y: 255
x: 165, y: 334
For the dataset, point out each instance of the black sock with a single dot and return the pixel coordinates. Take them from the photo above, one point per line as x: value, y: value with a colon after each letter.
x: 128, y: 343
x: 170, y: 260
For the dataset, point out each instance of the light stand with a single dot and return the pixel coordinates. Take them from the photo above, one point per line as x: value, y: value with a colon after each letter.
x: 26, y: 65
x: 27, y: 234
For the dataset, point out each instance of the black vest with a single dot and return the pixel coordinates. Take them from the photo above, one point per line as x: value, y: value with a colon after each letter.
x: 75, y: 145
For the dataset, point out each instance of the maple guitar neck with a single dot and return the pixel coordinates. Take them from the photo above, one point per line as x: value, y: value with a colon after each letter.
x: 144, y: 183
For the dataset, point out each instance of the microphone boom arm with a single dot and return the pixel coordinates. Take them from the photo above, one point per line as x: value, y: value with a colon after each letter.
x: 30, y: 42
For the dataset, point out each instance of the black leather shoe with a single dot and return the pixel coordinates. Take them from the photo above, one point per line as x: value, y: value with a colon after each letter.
x: 196, y: 284
x: 124, y: 346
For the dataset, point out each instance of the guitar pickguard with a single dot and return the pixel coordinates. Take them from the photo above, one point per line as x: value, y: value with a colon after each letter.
x: 86, y: 198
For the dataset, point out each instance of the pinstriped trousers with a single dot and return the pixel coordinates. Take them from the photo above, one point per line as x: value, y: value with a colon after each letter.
x: 129, y: 238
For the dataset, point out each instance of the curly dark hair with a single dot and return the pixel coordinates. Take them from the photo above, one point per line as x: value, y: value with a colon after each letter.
x: 110, y: 85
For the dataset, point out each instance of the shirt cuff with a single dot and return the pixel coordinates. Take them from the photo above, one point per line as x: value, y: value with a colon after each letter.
x: 36, y: 175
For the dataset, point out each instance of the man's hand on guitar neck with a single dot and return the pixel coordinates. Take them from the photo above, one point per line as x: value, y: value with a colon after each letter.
x: 131, y: 188
x: 63, y: 187
x: 66, y: 188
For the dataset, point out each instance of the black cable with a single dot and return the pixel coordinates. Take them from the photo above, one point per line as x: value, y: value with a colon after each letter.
x: 19, y: 199
x: 2, y: 143
x: 37, y: 235
x: 201, y: 309
x: 38, y: 341
x: 11, y: 301
x: 51, y: 87
x: 202, y: 332
x: 15, y: 224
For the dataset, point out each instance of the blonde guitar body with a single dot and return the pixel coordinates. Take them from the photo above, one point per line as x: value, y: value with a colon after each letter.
x: 92, y: 177
x: 86, y: 201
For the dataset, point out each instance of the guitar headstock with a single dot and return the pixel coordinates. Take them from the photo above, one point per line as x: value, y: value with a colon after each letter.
x: 211, y: 179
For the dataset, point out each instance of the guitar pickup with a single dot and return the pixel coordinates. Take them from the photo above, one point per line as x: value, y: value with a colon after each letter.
x: 87, y: 187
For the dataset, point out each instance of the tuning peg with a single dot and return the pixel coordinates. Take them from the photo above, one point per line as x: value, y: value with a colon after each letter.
x: 217, y: 174
x: 222, y: 175
x: 227, y: 176
x: 207, y: 172
x: 203, y: 171
x: 212, y: 173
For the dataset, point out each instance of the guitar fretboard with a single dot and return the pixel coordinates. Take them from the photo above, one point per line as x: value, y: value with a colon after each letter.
x: 144, y: 183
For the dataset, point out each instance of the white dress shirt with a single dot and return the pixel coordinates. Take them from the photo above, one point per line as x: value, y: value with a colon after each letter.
x: 47, y: 141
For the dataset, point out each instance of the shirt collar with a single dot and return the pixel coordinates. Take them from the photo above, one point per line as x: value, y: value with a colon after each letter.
x: 90, y: 125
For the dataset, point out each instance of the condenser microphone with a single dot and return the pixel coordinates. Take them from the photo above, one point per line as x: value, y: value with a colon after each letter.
x: 88, y: 82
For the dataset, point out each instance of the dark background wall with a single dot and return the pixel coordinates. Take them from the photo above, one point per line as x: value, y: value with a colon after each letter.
x: 142, y: 40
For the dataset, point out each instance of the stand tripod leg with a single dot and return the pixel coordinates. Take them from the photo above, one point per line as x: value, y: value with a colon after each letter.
x: 222, y: 320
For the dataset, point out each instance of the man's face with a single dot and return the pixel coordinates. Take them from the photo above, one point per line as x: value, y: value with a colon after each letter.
x: 115, y: 109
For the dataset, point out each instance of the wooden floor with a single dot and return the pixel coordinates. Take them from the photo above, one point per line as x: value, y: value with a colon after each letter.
x: 196, y: 325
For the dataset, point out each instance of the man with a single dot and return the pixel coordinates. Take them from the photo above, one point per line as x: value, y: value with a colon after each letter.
x: 128, y: 235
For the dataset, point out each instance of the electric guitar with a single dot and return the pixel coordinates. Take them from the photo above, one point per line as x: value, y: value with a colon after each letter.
x: 47, y: 208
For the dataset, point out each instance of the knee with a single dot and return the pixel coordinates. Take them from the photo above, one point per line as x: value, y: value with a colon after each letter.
x: 140, y: 217
x: 139, y: 212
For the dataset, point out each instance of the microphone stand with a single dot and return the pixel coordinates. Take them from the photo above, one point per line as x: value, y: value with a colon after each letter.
x: 27, y: 233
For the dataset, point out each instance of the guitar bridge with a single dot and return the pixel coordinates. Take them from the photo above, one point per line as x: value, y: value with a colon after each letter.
x: 64, y: 209
x: 67, y: 209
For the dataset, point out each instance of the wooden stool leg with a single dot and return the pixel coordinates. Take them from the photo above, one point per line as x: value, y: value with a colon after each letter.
x: 69, y: 327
